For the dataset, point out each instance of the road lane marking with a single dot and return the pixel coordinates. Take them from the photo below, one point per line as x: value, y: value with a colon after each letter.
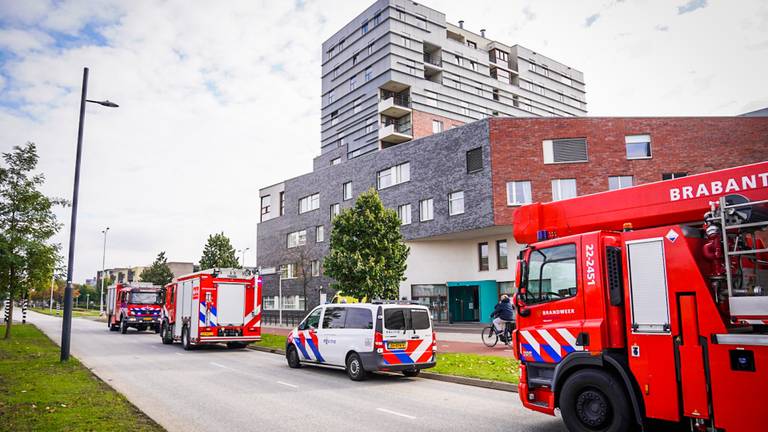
x: 289, y: 385
x: 218, y: 365
x: 384, y: 410
x: 179, y: 354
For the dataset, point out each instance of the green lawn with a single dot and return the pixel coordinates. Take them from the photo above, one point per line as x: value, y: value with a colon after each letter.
x: 467, y: 365
x: 76, y: 312
x: 271, y: 341
x: 38, y: 393
x: 477, y: 366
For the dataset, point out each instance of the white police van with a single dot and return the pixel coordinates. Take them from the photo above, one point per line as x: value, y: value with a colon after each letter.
x: 365, y: 337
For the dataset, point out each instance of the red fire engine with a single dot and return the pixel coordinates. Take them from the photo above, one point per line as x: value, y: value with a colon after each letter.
x: 648, y: 304
x: 133, y: 305
x: 212, y: 306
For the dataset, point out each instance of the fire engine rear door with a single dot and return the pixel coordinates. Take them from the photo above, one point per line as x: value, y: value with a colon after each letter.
x: 230, y: 304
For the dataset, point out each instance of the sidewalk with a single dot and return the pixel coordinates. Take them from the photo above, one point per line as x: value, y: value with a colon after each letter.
x: 447, y: 342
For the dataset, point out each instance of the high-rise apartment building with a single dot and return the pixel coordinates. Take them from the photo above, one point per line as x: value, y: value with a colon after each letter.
x: 399, y: 71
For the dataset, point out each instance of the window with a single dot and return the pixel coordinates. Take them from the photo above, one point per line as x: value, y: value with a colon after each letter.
x: 394, y: 175
x: 334, y: 318
x: 638, y: 146
x: 566, y: 80
x: 551, y: 274
x: 334, y: 117
x: 330, y: 97
x: 288, y: 271
x: 400, y: 14
x: 502, y: 255
x: 297, y: 238
x: 347, y: 191
x: 370, y: 126
x: 309, y: 203
x: 340, y: 142
x: 437, y: 126
x: 545, y: 70
x: 354, y: 59
x: 563, y: 189
x: 282, y: 203
x: 335, y: 161
x: 565, y: 150
x: 459, y: 61
x: 315, y: 267
x: 532, y: 67
x: 335, y: 72
x: 426, y: 210
x: 266, y: 200
x: 404, y: 212
x: 670, y: 176
x: 335, y: 210
x: 421, y: 21
x: 358, y: 318
x: 620, y: 182
x: 370, y: 49
x: 406, y: 42
x: 482, y: 250
x: 319, y: 233
x: 518, y: 192
x: 475, y: 160
x: 294, y: 302
x: 368, y: 74
x: 312, y: 321
x: 473, y: 65
x: 471, y: 44
x: 456, y: 203
x: 377, y: 19
x: 352, y: 83
x: 364, y: 28
x: 495, y: 94
x: 269, y: 303
x: 356, y: 107
x: 331, y: 52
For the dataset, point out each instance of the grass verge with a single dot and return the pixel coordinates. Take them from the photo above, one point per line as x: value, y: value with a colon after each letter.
x: 38, y: 393
x: 492, y: 368
x: 485, y: 367
x: 76, y: 312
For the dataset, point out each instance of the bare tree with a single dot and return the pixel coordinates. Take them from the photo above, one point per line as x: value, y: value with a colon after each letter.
x: 303, y: 257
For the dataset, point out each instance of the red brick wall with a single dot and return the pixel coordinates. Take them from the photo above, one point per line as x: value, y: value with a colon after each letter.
x: 678, y: 144
x: 422, y: 123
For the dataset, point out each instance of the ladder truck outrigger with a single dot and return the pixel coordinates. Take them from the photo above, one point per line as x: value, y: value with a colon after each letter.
x: 648, y: 304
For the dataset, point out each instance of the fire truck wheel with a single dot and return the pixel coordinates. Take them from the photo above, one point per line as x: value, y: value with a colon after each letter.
x: 185, y: 342
x: 157, y: 329
x: 355, y: 368
x: 292, y: 356
x: 165, y: 333
x: 111, y: 326
x: 592, y: 400
x: 123, y: 326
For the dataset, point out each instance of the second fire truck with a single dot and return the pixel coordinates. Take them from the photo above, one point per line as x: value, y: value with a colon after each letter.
x: 134, y: 304
x: 212, y: 306
x: 648, y: 303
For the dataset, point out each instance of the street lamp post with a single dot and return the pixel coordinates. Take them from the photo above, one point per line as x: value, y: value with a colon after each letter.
x: 103, y: 272
x: 245, y: 250
x: 66, y: 325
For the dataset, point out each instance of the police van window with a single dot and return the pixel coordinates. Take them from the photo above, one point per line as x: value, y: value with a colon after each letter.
x: 358, y: 318
x: 334, y: 318
x: 394, y: 319
x: 551, y: 274
x: 313, y: 320
x: 419, y: 319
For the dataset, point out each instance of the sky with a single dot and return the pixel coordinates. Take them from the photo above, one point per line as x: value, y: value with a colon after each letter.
x: 219, y: 99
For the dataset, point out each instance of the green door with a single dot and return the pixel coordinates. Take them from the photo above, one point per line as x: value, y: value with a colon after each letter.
x: 464, y: 303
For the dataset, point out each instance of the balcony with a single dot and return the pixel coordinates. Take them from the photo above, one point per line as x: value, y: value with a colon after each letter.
x: 395, y: 105
x: 394, y: 131
x: 433, y: 60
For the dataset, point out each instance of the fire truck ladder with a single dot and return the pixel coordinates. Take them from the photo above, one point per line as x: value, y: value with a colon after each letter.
x: 732, y: 216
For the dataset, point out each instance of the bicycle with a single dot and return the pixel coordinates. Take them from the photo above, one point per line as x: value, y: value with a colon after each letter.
x: 491, y: 336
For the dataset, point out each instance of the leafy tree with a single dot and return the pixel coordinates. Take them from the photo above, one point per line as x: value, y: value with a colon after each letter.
x: 367, y: 254
x: 218, y: 253
x: 27, y: 222
x: 158, y: 273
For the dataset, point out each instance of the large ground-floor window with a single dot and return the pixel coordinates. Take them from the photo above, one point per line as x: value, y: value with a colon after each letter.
x: 435, y: 297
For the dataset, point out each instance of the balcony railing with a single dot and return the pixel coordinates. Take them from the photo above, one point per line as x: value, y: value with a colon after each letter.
x: 399, y: 99
x: 433, y: 60
x: 403, y: 127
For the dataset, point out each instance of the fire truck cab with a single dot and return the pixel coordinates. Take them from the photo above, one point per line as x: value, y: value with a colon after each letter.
x: 135, y: 304
x: 647, y: 303
x: 212, y: 306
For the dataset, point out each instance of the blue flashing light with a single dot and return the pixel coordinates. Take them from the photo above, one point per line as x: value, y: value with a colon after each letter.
x: 542, y: 235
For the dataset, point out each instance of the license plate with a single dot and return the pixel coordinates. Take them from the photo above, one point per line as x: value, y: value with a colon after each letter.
x: 396, y: 345
x: 147, y: 319
x: 206, y: 333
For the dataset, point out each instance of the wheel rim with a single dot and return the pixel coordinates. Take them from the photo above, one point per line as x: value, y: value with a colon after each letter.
x: 354, y: 367
x: 593, y: 409
x: 489, y: 337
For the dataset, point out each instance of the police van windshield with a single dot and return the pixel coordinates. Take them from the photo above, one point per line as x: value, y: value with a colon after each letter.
x: 143, y: 298
x: 406, y: 319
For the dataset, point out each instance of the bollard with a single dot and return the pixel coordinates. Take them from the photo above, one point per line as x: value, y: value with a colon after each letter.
x: 24, y: 302
x: 58, y: 308
x: 7, y: 309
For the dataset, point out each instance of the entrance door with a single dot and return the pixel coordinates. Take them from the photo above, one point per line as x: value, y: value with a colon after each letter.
x: 464, y: 303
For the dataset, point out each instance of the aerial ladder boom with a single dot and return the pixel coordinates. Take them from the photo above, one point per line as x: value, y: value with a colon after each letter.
x: 677, y: 201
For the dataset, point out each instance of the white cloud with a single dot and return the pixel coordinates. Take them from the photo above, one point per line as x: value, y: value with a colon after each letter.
x: 204, y: 121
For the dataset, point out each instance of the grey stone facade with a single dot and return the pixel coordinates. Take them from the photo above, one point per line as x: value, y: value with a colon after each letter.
x: 438, y: 167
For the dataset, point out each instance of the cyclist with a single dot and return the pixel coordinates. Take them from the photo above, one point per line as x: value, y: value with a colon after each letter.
x: 502, y: 314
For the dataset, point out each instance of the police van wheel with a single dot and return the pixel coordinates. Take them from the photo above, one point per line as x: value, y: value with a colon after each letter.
x: 292, y: 356
x: 592, y: 400
x: 123, y: 326
x: 165, y: 333
x: 355, y: 368
x: 411, y: 373
x: 185, y: 342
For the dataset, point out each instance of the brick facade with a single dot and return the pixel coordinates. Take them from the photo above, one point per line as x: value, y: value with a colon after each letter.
x: 678, y: 144
x: 422, y: 123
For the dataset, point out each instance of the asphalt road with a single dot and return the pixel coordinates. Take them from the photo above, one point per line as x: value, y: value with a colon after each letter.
x: 212, y: 388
